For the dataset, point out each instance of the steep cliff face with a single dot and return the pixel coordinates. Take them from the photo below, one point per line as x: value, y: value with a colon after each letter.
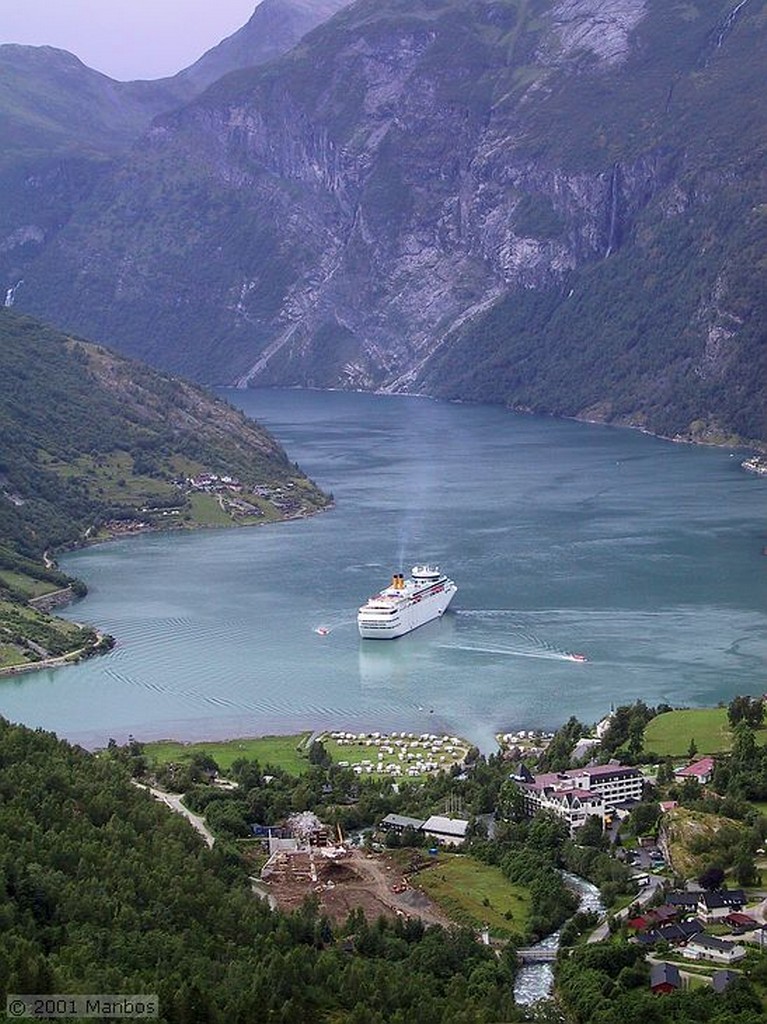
x: 479, y: 199
x: 62, y: 124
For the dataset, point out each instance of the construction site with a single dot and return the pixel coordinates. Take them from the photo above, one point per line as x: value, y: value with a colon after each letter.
x: 316, y: 862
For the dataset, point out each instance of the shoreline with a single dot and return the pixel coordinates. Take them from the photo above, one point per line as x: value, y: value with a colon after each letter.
x: 102, y: 644
x: 65, y: 596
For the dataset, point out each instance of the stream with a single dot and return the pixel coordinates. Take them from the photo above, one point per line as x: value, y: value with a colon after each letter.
x: 536, y: 981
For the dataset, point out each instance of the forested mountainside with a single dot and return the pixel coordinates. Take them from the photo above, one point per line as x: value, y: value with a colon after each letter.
x: 557, y: 204
x: 62, y: 124
x: 104, y: 890
x: 88, y: 438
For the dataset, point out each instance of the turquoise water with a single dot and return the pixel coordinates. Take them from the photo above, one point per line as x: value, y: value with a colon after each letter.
x: 562, y: 537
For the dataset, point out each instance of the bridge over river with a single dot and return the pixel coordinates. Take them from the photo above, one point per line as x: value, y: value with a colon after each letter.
x: 536, y: 955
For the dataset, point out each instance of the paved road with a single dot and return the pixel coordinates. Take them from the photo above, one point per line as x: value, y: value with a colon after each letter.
x: 643, y: 898
x: 173, y: 800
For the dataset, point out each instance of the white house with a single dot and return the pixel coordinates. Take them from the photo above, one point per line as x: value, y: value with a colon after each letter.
x: 708, y: 947
x: 702, y: 771
x: 715, y: 906
x: 579, y: 793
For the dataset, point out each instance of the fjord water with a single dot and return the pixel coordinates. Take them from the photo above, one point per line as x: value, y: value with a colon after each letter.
x: 562, y: 537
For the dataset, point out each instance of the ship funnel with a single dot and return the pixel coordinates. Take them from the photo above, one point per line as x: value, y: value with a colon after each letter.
x: 395, y: 581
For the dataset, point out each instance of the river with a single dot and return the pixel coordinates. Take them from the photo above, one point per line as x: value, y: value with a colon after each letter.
x: 536, y: 981
x: 643, y: 554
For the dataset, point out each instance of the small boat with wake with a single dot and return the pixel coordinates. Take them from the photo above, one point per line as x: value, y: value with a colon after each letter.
x: 322, y: 631
x: 576, y: 656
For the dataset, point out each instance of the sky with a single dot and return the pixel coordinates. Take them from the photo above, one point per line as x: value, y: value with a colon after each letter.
x: 125, y: 39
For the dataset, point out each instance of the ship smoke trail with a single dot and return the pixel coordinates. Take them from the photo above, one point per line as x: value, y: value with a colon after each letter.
x: 420, y: 490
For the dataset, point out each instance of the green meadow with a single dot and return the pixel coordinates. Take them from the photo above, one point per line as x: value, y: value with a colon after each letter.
x: 474, y: 894
x: 286, y: 752
x: 670, y: 734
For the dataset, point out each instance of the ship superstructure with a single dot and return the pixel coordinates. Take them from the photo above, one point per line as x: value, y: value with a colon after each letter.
x: 406, y: 604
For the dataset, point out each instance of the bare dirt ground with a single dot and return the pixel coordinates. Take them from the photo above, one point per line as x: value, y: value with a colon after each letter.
x: 357, y: 879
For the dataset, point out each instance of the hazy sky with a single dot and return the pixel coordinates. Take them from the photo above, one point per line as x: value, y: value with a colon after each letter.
x: 126, y: 39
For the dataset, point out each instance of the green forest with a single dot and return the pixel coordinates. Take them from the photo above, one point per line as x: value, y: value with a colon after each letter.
x: 104, y: 890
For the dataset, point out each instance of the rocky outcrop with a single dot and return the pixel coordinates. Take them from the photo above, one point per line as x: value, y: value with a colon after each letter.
x: 599, y: 28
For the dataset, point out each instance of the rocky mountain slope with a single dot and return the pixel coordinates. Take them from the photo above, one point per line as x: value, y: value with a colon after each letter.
x: 274, y: 28
x: 63, y: 124
x: 558, y: 204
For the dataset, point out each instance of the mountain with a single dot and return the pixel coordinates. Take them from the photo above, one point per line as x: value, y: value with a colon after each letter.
x: 53, y: 104
x: 93, y: 442
x: 63, y: 124
x: 558, y: 205
x: 274, y: 28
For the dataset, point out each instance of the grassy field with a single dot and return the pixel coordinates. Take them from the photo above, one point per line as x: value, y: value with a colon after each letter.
x: 26, y: 585
x: 475, y: 894
x: 286, y: 752
x: 111, y: 477
x: 671, y: 733
x: 11, y: 655
x: 206, y: 510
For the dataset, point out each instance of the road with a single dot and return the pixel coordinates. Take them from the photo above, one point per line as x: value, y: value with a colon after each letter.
x: 173, y: 800
x: 643, y: 898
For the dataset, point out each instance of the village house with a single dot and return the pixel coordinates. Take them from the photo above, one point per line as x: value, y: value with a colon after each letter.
x: 687, y: 899
x: 716, y: 905
x: 664, y: 978
x: 450, y: 831
x: 702, y: 771
x: 399, y: 822
x: 708, y: 947
x: 674, y: 933
x: 741, y: 922
x: 721, y: 979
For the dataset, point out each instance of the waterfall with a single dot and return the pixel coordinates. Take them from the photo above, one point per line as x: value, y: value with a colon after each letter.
x: 612, y: 232
x: 728, y: 22
x: 10, y: 295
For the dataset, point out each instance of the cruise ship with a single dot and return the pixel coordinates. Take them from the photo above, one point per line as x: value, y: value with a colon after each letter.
x: 406, y: 604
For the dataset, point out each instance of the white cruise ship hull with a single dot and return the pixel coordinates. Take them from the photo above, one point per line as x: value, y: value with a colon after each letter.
x: 396, y: 612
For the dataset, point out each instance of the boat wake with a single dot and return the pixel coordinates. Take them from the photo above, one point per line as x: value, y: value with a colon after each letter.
x: 512, y: 652
x: 330, y: 625
x: 283, y: 708
x: 483, y: 625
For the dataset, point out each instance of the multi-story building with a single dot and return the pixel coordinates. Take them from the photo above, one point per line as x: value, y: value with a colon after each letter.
x: 579, y: 793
